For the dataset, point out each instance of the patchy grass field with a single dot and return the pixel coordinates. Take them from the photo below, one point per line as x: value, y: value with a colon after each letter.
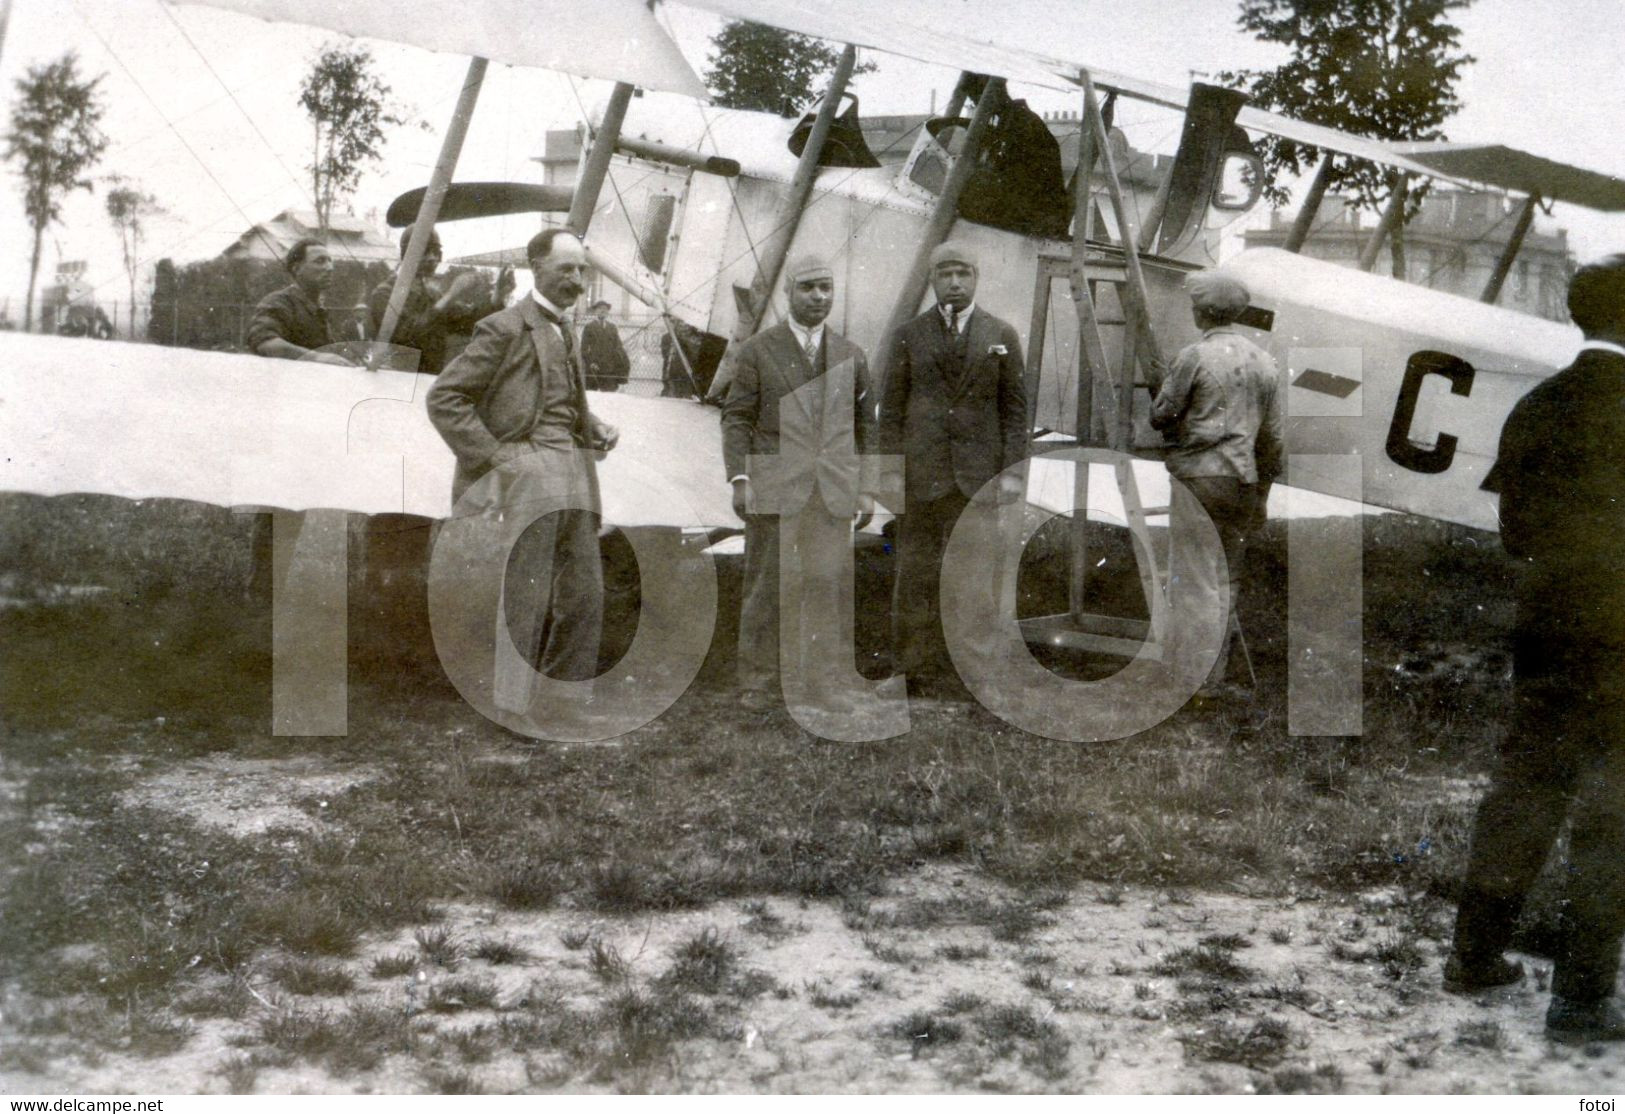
x: 720, y: 901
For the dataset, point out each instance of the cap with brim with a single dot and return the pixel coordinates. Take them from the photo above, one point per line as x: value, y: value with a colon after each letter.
x: 805, y: 267
x: 1217, y: 293
x: 954, y: 251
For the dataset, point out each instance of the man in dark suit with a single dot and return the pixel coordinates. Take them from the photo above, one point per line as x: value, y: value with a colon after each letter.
x: 514, y: 401
x: 1560, y: 473
x: 954, y: 404
x: 798, y: 412
x: 603, y: 357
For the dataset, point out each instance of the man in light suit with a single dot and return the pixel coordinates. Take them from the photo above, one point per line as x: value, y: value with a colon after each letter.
x: 514, y: 401
x: 798, y: 412
x: 954, y: 404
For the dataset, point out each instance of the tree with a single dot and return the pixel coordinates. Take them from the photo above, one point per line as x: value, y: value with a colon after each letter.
x: 769, y: 70
x: 56, y: 134
x: 1380, y: 68
x: 349, y: 107
x: 129, y: 208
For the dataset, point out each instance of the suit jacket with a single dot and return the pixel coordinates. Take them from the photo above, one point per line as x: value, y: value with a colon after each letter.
x: 955, y: 428
x: 487, y: 403
x: 816, y: 439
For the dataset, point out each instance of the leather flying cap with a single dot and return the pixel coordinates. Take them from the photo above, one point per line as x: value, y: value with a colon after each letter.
x: 955, y: 251
x: 807, y: 266
x: 1218, y: 294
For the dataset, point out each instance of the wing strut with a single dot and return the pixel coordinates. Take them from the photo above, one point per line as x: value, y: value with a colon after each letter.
x: 751, y: 305
x: 598, y: 155
x: 1503, y: 265
x: 942, y: 219
x: 429, y: 210
x: 1304, y: 223
x: 1392, y: 214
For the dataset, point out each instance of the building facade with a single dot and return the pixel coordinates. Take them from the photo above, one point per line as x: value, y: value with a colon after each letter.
x: 1452, y: 244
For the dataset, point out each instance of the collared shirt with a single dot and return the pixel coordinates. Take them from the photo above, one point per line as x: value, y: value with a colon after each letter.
x: 806, y: 337
x: 291, y: 315
x: 964, y: 316
x: 1220, y: 406
x: 557, y: 317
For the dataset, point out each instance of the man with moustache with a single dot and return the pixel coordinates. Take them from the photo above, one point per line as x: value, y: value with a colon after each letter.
x: 515, y: 400
x: 799, y: 411
x: 954, y: 404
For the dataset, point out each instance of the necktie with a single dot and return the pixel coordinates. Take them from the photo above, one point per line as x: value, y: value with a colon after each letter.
x: 812, y: 351
x: 953, y: 322
x: 564, y: 331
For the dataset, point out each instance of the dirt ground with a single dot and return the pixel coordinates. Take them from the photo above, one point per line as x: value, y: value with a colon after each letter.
x: 915, y: 993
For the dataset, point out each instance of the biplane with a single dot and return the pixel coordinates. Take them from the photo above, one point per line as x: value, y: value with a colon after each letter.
x: 1395, y: 393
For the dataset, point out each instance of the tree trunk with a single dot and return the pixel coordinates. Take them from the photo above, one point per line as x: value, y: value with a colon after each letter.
x: 33, y: 276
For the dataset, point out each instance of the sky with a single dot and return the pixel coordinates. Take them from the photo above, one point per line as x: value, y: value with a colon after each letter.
x: 203, y: 112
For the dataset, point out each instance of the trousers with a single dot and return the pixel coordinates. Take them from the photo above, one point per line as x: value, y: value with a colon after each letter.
x: 795, y: 578
x: 1563, y: 756
x: 1234, y: 508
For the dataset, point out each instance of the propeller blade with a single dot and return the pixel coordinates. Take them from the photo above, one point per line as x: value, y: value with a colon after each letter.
x: 466, y: 200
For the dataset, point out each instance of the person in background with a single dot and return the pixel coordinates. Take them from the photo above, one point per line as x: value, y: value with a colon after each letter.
x: 437, y: 309
x: 679, y: 349
x: 291, y: 323
x: 603, y: 357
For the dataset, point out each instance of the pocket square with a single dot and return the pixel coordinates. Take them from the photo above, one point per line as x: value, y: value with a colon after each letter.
x: 998, y: 350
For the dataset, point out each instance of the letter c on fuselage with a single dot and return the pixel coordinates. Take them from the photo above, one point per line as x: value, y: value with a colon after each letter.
x: 1401, y: 449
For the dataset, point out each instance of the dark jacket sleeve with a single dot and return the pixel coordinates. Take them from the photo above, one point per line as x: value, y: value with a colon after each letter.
x: 453, y: 400
x: 1516, y: 465
x: 740, y: 411
x: 270, y: 321
x: 1013, y: 428
x: 894, y: 397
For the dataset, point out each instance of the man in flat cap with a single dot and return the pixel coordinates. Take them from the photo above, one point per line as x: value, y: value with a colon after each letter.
x: 1219, y: 407
x: 603, y: 357
x: 798, y: 411
x: 954, y: 404
x: 1559, y: 471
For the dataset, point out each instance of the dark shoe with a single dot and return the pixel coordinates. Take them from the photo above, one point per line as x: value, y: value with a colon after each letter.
x: 1571, y: 1022
x: 1463, y: 978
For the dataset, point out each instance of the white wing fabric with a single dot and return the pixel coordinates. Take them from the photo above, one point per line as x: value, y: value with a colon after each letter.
x: 145, y: 421
x: 616, y: 40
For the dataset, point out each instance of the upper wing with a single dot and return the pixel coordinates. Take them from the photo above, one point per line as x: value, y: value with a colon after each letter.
x: 618, y: 40
x: 1510, y: 169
